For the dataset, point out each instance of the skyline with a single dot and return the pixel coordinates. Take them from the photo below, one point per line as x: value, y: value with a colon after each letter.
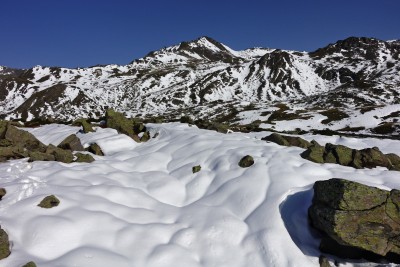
x: 75, y: 34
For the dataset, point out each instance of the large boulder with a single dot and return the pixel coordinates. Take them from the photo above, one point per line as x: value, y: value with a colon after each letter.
x: 4, y: 244
x: 285, y: 140
x: 60, y: 154
x: 71, y: 142
x: 119, y: 122
x: 24, y: 138
x: 394, y: 161
x: 86, y: 126
x: 315, y: 153
x: 95, y: 149
x: 357, y: 216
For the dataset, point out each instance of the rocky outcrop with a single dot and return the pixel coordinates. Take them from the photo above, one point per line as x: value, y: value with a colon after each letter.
x: 72, y: 142
x: 119, y: 122
x: 285, y: 140
x: 364, y: 158
x: 356, y: 219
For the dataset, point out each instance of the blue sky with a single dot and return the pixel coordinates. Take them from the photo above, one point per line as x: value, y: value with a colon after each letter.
x: 88, y: 32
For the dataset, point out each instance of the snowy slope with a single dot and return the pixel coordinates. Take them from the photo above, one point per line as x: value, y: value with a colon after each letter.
x: 142, y: 206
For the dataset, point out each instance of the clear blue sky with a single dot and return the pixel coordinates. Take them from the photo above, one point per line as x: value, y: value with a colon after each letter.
x: 88, y: 32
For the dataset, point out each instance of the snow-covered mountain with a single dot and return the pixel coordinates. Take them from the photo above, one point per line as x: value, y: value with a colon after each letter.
x: 204, y: 77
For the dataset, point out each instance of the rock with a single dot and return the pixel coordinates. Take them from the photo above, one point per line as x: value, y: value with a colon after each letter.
x: 394, y: 161
x: 80, y: 157
x: 72, y: 142
x: 246, y: 161
x: 314, y: 153
x: 4, y: 244
x: 357, y: 216
x: 145, y: 137
x: 117, y: 121
x: 49, y: 202
x: 30, y: 264
x: 3, y: 192
x: 24, y: 138
x: 323, y: 262
x: 13, y: 152
x: 95, y: 149
x: 86, y: 126
x: 59, y: 154
x: 138, y: 127
x: 342, y: 154
x: 39, y: 156
x: 196, y: 168
x: 285, y: 140
x: 373, y: 157
x: 3, y: 128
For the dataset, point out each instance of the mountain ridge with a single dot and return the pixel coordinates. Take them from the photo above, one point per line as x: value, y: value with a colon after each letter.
x: 196, y: 77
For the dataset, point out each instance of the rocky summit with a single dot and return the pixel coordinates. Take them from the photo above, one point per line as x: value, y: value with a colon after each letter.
x: 206, y: 79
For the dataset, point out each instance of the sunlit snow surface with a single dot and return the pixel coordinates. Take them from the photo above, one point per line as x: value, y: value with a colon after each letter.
x: 141, y: 205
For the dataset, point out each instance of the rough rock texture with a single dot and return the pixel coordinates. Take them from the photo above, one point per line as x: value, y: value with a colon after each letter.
x: 4, y: 244
x: 246, y: 161
x: 117, y: 121
x: 49, y: 202
x: 357, y: 216
x: 323, y: 262
x: 285, y: 140
x: 39, y: 156
x: 196, y: 168
x: 24, y: 138
x: 80, y: 157
x: 3, y: 192
x: 338, y: 154
x: 145, y: 137
x: 72, y: 142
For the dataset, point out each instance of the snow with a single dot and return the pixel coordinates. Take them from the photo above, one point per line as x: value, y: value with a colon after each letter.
x: 141, y: 205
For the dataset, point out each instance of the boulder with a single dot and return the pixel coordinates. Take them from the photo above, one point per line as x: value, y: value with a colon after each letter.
x: 39, y: 156
x: 196, y: 168
x: 394, y: 161
x: 3, y: 128
x: 323, y: 262
x: 5, y: 143
x: 358, y: 217
x: 138, y: 127
x: 95, y: 149
x: 24, y: 138
x: 13, y: 152
x: 60, y: 154
x: 285, y: 140
x: 342, y: 154
x: 86, y: 126
x: 80, y: 157
x: 4, y: 244
x: 49, y: 202
x: 30, y: 264
x: 315, y: 153
x: 71, y: 142
x: 117, y: 121
x: 246, y: 161
x: 3, y: 192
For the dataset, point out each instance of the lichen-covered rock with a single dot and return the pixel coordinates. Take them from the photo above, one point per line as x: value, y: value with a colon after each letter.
x: 139, y: 127
x: 39, y: 156
x: 80, y: 157
x: 342, y: 154
x: 71, y: 142
x: 315, y: 153
x: 4, y: 244
x: 30, y: 264
x: 373, y: 157
x: 357, y: 216
x: 394, y: 161
x: 95, y: 149
x: 285, y: 140
x: 86, y: 126
x: 59, y: 154
x: 196, y: 168
x: 323, y: 262
x: 3, y: 192
x: 24, y: 138
x: 145, y: 137
x: 49, y: 202
x: 117, y: 121
x: 6, y: 143
x: 246, y: 161
x: 3, y: 128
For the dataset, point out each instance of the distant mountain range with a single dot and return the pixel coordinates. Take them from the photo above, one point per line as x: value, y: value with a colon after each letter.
x: 206, y: 79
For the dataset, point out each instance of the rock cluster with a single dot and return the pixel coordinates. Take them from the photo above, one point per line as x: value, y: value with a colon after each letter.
x: 364, y: 158
x: 358, y: 221
x: 285, y: 140
x: 16, y: 143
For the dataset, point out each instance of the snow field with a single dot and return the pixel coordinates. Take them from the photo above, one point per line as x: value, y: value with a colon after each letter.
x: 141, y: 205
